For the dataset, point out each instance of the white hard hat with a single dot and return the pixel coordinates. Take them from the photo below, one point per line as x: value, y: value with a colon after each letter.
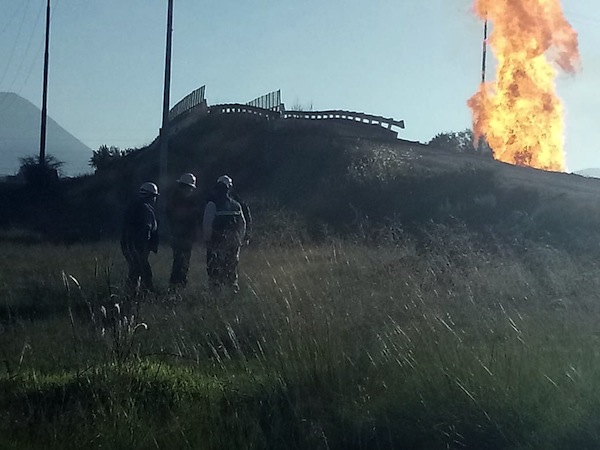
x: 148, y: 188
x: 226, y: 180
x: 188, y: 179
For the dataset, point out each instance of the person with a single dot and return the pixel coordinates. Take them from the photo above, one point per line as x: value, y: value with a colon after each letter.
x: 247, y: 217
x: 182, y: 214
x: 224, y: 231
x: 245, y: 208
x: 139, y: 236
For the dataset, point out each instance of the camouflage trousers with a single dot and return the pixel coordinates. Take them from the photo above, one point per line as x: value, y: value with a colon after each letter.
x: 222, y: 267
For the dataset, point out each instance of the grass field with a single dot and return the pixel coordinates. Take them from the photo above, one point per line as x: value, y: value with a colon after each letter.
x: 454, y: 344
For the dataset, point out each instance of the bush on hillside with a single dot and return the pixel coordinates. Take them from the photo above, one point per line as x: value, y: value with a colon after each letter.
x: 460, y: 142
x: 39, y: 173
x: 106, y: 156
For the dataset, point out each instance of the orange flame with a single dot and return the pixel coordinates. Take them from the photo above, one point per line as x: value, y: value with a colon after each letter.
x: 520, y: 115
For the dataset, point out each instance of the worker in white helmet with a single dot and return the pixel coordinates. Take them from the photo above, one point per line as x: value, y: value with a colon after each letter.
x: 183, y: 210
x: 140, y: 236
x: 224, y: 230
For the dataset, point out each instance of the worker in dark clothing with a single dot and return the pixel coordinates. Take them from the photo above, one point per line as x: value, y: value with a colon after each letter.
x: 182, y: 214
x: 224, y: 227
x: 140, y: 236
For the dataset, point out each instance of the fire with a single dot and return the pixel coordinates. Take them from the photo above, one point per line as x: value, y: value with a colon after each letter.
x: 520, y: 116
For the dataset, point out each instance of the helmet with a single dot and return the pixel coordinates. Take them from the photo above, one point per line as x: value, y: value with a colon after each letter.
x: 148, y: 189
x: 224, y: 179
x: 188, y: 179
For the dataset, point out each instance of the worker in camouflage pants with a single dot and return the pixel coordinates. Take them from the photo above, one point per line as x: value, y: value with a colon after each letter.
x: 224, y: 228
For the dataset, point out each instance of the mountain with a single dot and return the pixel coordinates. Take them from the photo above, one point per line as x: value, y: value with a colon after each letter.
x: 20, y: 137
x: 591, y: 172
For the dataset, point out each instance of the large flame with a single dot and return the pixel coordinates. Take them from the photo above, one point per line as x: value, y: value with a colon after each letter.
x: 520, y: 115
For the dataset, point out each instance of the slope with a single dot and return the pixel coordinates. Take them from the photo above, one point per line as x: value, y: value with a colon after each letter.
x: 20, y: 137
x: 306, y: 180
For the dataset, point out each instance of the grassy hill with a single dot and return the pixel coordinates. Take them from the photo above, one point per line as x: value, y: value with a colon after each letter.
x: 306, y: 180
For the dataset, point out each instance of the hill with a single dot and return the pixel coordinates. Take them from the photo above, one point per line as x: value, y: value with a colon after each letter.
x: 307, y: 180
x: 591, y: 172
x: 20, y: 137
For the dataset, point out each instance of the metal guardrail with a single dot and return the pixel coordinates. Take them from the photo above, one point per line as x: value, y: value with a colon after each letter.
x: 270, y: 107
x: 188, y: 102
x: 270, y: 101
x: 346, y: 115
x: 238, y: 108
x: 231, y: 108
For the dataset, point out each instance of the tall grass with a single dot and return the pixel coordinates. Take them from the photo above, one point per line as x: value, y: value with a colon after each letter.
x: 443, y: 344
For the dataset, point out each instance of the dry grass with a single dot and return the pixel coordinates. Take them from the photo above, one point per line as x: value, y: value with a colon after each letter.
x: 446, y: 345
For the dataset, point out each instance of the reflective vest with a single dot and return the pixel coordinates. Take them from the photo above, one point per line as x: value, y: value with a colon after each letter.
x: 229, y: 224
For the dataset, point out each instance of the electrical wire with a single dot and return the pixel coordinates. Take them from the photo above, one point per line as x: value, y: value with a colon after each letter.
x: 39, y: 51
x: 14, y: 47
x: 25, y: 53
x: 9, y: 61
x: 34, y: 61
x: 12, y: 18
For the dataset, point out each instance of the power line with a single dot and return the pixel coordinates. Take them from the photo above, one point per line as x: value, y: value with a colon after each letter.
x: 10, y: 88
x: 34, y: 61
x: 11, y: 18
x: 12, y: 52
x: 18, y: 71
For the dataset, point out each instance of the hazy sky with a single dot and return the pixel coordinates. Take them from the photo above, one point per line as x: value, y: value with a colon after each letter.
x: 417, y: 60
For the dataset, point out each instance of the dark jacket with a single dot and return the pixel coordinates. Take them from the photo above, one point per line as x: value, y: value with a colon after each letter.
x: 182, y: 214
x: 140, y: 230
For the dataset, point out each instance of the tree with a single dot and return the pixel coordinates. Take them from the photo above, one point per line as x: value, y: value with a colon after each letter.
x: 40, y: 173
x: 455, y: 141
x: 461, y: 142
x: 300, y: 107
x: 105, y: 156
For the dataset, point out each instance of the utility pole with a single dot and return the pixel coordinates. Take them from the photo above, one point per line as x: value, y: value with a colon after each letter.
x: 42, y: 159
x: 481, y: 139
x: 484, y: 57
x: 164, y: 131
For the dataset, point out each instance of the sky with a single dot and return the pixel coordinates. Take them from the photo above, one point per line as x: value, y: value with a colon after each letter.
x: 412, y: 60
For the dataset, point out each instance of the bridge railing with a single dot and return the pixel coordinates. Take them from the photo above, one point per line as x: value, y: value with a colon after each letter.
x: 346, y: 115
x: 270, y: 101
x: 188, y: 102
x: 238, y: 108
x: 270, y: 107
